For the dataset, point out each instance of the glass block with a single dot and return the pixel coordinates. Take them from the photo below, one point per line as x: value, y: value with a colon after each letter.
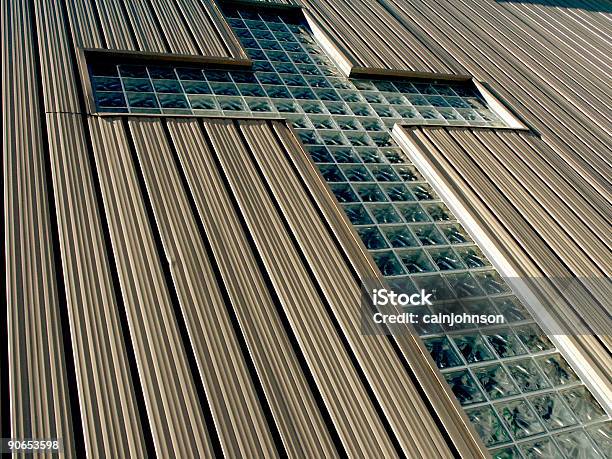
x: 384, y: 173
x: 464, y: 387
x: 331, y: 173
x: 408, y: 113
x: 582, y: 404
x: 533, y: 338
x: 552, y: 411
x: 400, y: 236
x: 437, y: 101
x: 356, y: 173
x: 278, y: 56
x: 142, y: 100
x: 309, y: 69
x: 396, y: 156
x: 251, y: 90
x: 224, y: 89
x: 527, y: 375
x: 364, y: 85
x: 382, y: 139
x: 357, y: 214
x: 446, y: 259
x: 455, y: 233
x: 372, y: 124
x: 504, y: 342
x: 473, y: 348
x: 302, y: 93
x: 457, y: 102
x: 300, y: 122
x: 509, y: 452
x: 435, y: 284
x: 375, y: 97
x: 285, y: 67
x: 361, y: 110
x: 383, y: 85
x: 320, y: 154
x: 262, y: 66
x: 510, y: 307
x: 259, y: 105
x: 277, y: 92
x: 337, y: 108
x: 472, y: 257
x: 496, y: 381
x: 294, y: 80
x: 385, y: 111
x: 372, y: 238
x: 359, y: 139
x: 423, y: 192
x: 338, y: 83
x: 348, y: 124
x: 203, y: 103
x: 286, y: 106
x: 309, y: 137
x: 442, y: 352
x: 417, y: 100
x: 413, y: 213
x: 313, y: 107
x: 492, y: 283
x: 370, y: 155
x: 103, y: 69
x: 231, y: 104
x: 196, y: 87
x: 488, y: 425
x: 106, y: 84
x: 388, y: 263
x: 416, y: 261
x: 333, y: 138
x: 322, y: 122
x: 439, y: 213
x: 344, y: 193
x: 269, y: 78
x: 601, y: 434
x: 520, y: 419
x: 110, y: 99
x: 576, y: 444
x: 430, y: 114
x: 318, y: 82
x: 344, y: 155
x: 371, y: 193
x: 173, y: 101
x: 428, y: 234
x: 133, y: 71
x: 396, y: 99
x: 398, y: 192
x: 451, y: 115
x: 464, y: 285
x: 543, y: 448
x: 384, y: 213
x: 269, y: 44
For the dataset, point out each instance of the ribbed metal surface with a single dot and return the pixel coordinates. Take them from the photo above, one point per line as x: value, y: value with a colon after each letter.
x: 38, y: 391
x: 189, y: 27
x: 543, y: 224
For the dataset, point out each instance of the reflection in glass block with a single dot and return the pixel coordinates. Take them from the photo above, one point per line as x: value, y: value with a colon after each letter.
x: 496, y: 381
x: 552, y: 411
x: 582, y: 404
x: 456, y: 234
x: 577, y: 444
x: 384, y: 173
x: 442, y: 352
x: 398, y: 193
x: 142, y: 100
x: 413, y: 213
x: 372, y: 238
x: 492, y: 282
x: 396, y: 156
x: 357, y: 214
x: 231, y: 103
x: 557, y: 369
x: 331, y: 173
x: 520, y: 419
x: 356, y: 173
x: 423, y: 192
x: 107, y: 84
x: 506, y: 453
x: 488, y: 425
x: 344, y: 155
x: 527, y: 376
x: 473, y: 348
x: 370, y: 155
x: 416, y: 261
x: 472, y: 257
x: 543, y: 448
x: 344, y: 193
x: 504, y: 342
x: 387, y: 263
x: 428, y: 234
x: 203, y: 103
x: 464, y: 285
x: 464, y: 387
x: 446, y: 259
x: 533, y: 338
x: 110, y: 99
x: 400, y: 237
x: 370, y: 193
x: 384, y: 214
x: 601, y: 434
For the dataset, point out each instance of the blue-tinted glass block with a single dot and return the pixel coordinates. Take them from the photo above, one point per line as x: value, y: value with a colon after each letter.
x: 371, y: 193
x: 473, y: 348
x: 370, y: 155
x: 400, y: 237
x: 577, y: 444
x: 428, y: 234
x: 106, y: 84
x: 224, y: 89
x: 372, y: 238
x: 231, y: 104
x: 183, y: 73
x: 110, y: 99
x: 173, y: 101
x: 398, y: 192
x: 464, y: 285
x: 270, y: 44
x: 344, y: 155
x: 313, y: 107
x: 384, y: 174
x: 464, y: 387
x: 413, y: 213
x: 357, y: 214
x: 262, y: 66
x: 167, y: 86
x: 509, y: 452
x: 320, y: 154
x: 543, y: 448
x: 387, y: 263
x: 496, y: 381
x: 203, y: 103
x: 337, y: 108
x: 133, y: 71
x: 356, y: 173
x: 384, y: 214
x: 142, y: 100
x: 533, y: 338
x: 331, y: 173
x: 440, y: 213
x: 552, y: 411
x: 344, y: 193
x: 422, y: 191
x: 277, y: 92
x: 138, y: 85
x: 473, y: 258
x: 582, y: 404
x: 442, y: 352
x: 251, y: 90
x: 488, y: 425
x: 504, y: 342
x: 269, y: 78
x: 416, y: 261
x: 520, y: 419
x: 527, y: 375
x: 491, y: 282
x: 196, y: 87
x: 557, y: 370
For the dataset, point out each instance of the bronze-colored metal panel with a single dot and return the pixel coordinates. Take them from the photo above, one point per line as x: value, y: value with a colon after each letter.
x: 174, y: 411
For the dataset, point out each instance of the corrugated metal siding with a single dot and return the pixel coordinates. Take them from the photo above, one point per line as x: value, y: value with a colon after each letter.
x: 373, y: 40
x: 545, y: 226
x: 188, y: 27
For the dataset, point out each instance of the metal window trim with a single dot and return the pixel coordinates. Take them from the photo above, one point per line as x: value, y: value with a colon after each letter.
x: 591, y: 376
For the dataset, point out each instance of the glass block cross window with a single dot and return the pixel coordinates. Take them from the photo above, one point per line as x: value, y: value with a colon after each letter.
x: 520, y: 393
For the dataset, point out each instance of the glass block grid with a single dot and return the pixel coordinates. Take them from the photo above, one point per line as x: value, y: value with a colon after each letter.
x: 520, y: 393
